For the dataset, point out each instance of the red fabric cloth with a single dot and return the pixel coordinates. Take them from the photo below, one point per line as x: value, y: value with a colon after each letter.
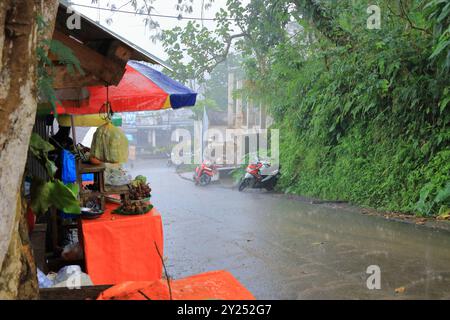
x: 134, y: 92
x: 31, y: 219
x: 206, y: 286
x: 122, y: 248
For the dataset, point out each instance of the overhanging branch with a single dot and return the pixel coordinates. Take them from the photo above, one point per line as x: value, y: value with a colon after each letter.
x: 219, y: 58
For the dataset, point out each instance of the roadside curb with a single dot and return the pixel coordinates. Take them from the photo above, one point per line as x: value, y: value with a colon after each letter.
x: 183, y: 176
x: 430, y: 222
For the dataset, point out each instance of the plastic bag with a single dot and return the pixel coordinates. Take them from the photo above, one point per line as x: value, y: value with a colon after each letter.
x: 71, y: 277
x: 69, y: 170
x: 110, y: 144
x: 66, y: 272
x: 43, y: 281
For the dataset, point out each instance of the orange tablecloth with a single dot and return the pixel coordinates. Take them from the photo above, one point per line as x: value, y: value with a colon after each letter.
x: 121, y: 248
x: 210, y: 285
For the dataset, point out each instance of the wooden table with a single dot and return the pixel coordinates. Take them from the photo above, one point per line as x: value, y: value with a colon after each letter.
x: 123, y: 248
x: 84, y: 293
x: 102, y: 189
x: 98, y: 171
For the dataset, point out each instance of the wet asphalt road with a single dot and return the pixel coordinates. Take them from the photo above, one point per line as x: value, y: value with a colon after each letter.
x: 286, y: 249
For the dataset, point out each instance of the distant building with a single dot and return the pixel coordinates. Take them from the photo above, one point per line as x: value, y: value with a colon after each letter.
x: 152, y: 130
x: 245, y: 114
x: 245, y: 118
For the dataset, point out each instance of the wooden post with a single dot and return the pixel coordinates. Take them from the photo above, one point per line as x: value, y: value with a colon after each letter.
x: 231, y: 115
x: 250, y: 114
x: 77, y: 162
x: 74, y: 134
x: 55, y: 233
x: 263, y: 119
x: 239, y: 114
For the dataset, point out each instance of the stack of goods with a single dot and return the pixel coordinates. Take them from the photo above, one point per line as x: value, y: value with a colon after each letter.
x: 139, y: 189
x: 116, y: 176
x: 139, y: 198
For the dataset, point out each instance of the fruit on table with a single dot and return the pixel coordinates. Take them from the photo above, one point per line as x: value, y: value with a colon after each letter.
x: 135, y: 207
x: 141, y: 178
x: 139, y: 188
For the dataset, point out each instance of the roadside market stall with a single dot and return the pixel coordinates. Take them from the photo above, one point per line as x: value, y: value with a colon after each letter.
x: 124, y: 250
x: 122, y: 226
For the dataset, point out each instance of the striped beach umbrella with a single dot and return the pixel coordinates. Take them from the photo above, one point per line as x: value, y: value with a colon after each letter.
x: 142, y: 88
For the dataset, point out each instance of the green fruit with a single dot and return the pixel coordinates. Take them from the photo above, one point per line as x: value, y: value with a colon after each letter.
x: 141, y: 179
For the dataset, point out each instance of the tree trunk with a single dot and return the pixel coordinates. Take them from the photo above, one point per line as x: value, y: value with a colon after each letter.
x: 18, y: 102
x: 18, y: 274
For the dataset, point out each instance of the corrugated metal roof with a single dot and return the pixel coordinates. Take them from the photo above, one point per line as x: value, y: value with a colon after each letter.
x: 94, y: 31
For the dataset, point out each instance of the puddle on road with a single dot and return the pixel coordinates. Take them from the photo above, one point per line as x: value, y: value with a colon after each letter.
x: 339, y: 246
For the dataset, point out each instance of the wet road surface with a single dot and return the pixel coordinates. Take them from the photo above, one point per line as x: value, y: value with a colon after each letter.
x: 286, y: 249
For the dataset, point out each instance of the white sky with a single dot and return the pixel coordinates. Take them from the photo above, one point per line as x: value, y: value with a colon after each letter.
x: 132, y: 26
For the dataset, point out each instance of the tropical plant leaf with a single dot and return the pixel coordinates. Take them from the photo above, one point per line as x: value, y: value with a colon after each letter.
x: 64, y: 198
x: 66, y: 56
x: 74, y: 187
x: 443, y: 194
x: 54, y: 193
x: 50, y: 167
x: 40, y: 195
x: 39, y: 147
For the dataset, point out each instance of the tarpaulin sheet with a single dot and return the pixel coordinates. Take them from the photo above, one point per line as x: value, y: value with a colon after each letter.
x: 218, y: 285
x: 142, y: 88
x: 122, y: 248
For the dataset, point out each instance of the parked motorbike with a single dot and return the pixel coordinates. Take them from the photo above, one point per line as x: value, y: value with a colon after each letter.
x: 260, y: 175
x: 204, y: 173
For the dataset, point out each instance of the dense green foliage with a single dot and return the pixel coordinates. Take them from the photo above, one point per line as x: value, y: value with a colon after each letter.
x: 368, y: 122
x: 364, y: 114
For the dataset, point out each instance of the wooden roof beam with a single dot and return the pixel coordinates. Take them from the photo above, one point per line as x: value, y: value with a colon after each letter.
x: 63, y: 79
x: 105, y: 69
x: 119, y: 52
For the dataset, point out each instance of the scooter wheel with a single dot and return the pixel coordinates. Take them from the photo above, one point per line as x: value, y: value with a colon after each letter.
x: 205, y: 180
x: 244, y: 184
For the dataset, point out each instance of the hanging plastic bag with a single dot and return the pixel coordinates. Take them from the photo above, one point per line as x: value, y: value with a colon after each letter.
x: 69, y: 170
x: 110, y: 144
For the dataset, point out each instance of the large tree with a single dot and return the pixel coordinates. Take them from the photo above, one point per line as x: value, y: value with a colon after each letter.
x: 19, y: 39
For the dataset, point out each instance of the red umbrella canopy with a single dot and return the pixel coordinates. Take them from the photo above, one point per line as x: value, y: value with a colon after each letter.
x: 142, y: 88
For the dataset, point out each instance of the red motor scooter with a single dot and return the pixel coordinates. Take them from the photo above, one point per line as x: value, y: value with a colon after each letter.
x: 204, y: 173
x: 260, y: 175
